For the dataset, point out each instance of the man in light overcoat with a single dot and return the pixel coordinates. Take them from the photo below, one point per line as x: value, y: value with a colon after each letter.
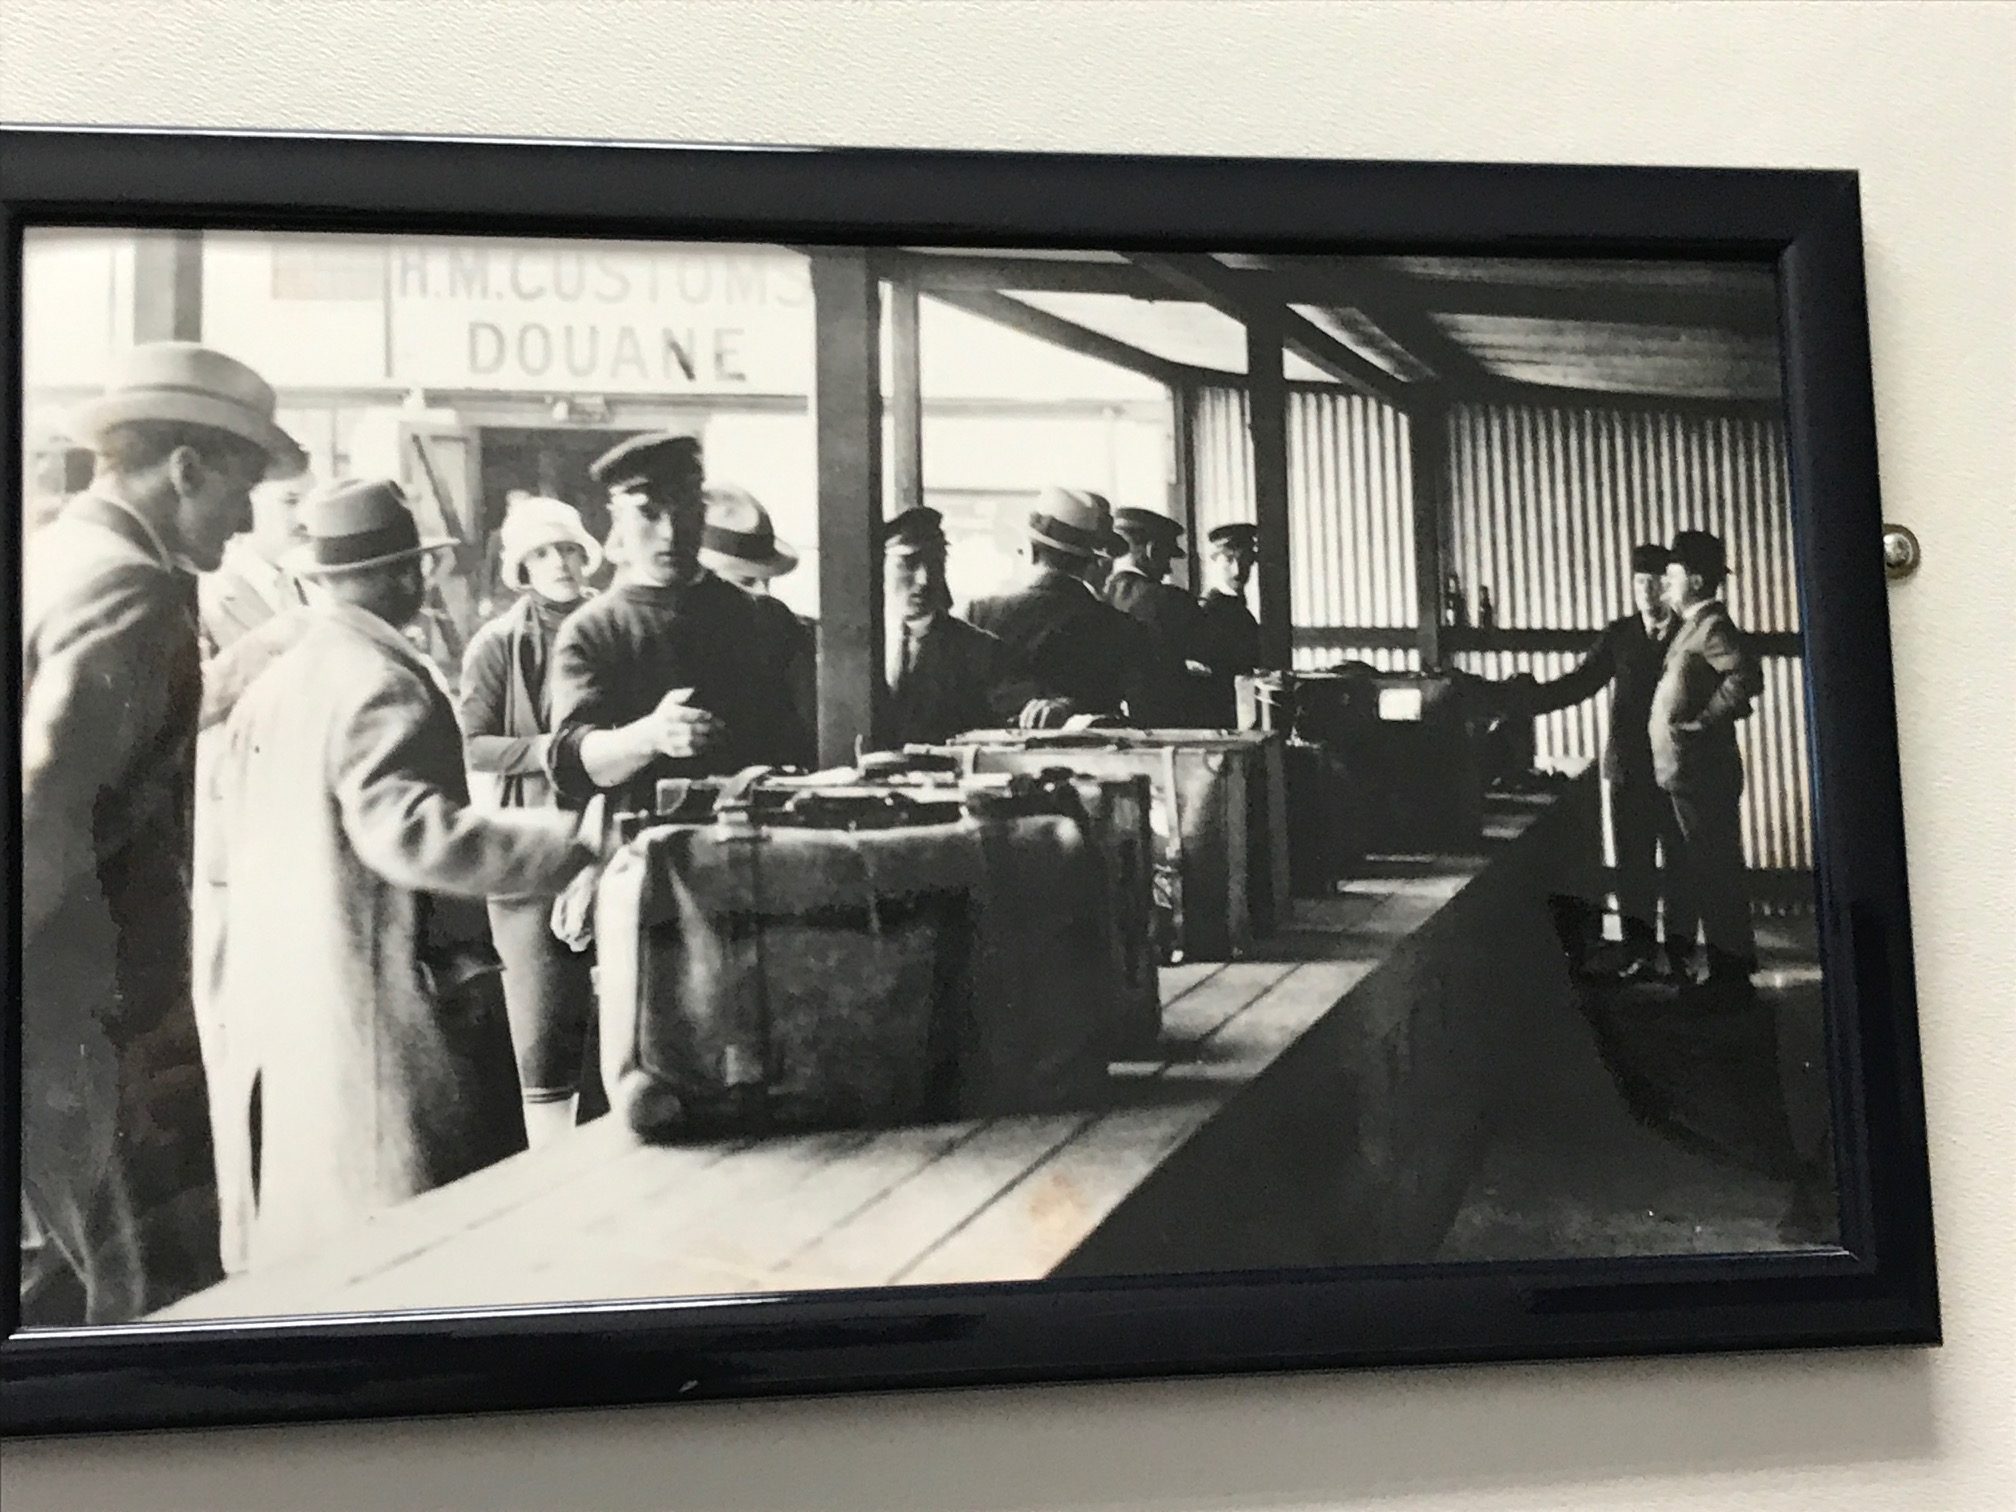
x: 357, y: 950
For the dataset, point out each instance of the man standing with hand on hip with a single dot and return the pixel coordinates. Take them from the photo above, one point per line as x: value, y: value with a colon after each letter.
x: 1709, y: 682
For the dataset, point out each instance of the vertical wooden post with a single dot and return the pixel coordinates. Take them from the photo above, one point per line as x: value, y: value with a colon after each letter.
x: 1267, y: 406
x: 906, y: 393
x: 847, y: 420
x: 1183, y: 504
x: 168, y: 286
x: 1428, y: 469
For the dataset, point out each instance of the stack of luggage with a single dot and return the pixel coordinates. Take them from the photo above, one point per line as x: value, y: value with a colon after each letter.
x: 1389, y: 762
x: 1218, y: 817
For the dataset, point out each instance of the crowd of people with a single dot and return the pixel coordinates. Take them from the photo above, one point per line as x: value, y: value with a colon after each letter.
x: 305, y: 932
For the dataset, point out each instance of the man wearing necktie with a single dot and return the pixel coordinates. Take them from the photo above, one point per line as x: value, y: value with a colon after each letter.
x: 945, y: 676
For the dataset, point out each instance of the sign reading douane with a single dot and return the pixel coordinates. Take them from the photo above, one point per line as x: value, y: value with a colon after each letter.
x: 555, y: 317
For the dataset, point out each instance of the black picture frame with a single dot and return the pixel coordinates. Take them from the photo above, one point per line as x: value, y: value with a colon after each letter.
x: 1878, y: 1288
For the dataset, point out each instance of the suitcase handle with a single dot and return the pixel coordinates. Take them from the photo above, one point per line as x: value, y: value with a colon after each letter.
x: 738, y: 795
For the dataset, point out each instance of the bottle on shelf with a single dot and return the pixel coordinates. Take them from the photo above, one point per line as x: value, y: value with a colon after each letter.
x: 1454, y: 610
x: 1487, y: 612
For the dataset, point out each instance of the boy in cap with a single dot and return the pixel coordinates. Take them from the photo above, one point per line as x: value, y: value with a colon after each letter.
x: 1627, y: 658
x: 116, y: 1150
x: 1227, y: 636
x: 1075, y: 646
x: 1139, y: 588
x: 665, y: 674
x: 1708, y: 683
x: 357, y: 955
x: 945, y: 675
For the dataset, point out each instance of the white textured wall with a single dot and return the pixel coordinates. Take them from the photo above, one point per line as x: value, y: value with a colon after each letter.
x: 1918, y: 96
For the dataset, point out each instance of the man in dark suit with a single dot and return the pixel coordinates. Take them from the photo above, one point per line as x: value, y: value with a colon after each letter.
x: 945, y: 676
x: 1074, y: 644
x: 1139, y: 588
x: 1626, y: 658
x: 1227, y: 636
x: 1708, y: 683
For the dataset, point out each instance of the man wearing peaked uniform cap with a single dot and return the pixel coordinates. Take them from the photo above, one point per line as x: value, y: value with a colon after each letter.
x: 1626, y: 658
x: 1075, y: 645
x: 1227, y: 637
x: 1139, y: 589
x: 945, y: 675
x: 359, y: 979
x: 666, y: 674
x: 116, y: 1150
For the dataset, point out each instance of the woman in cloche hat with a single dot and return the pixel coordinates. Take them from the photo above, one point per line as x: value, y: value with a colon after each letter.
x: 548, y: 555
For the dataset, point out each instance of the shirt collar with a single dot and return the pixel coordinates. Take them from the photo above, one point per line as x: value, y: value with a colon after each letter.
x: 1694, y: 609
x: 269, y: 580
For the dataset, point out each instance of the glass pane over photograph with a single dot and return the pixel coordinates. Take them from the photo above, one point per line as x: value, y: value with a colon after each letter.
x: 562, y: 771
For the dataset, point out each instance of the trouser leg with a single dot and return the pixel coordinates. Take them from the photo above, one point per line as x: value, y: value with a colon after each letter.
x: 1710, y: 836
x: 548, y: 1001
x: 1634, y: 833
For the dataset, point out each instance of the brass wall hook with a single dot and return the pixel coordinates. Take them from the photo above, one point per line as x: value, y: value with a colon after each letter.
x: 1900, y: 552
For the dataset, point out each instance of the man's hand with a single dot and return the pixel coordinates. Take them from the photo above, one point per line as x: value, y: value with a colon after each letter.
x: 1195, y: 668
x: 1043, y: 714
x: 677, y: 728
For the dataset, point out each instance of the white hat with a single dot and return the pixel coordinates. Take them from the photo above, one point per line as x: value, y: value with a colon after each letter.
x: 1074, y: 520
x: 184, y: 383
x: 738, y: 540
x: 532, y: 522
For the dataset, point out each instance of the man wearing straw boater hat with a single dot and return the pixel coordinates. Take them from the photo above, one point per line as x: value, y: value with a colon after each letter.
x: 357, y: 957
x: 116, y: 1154
x: 1074, y: 645
x: 664, y: 675
x: 1140, y: 589
x: 739, y: 545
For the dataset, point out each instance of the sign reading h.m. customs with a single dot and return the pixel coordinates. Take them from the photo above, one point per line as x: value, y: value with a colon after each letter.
x: 604, y: 318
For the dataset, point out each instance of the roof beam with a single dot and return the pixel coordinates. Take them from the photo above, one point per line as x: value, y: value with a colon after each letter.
x: 1392, y: 302
x: 1245, y: 299
x: 1013, y: 313
x: 1007, y: 273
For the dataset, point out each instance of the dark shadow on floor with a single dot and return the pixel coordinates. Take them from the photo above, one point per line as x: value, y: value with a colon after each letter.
x: 1648, y: 1119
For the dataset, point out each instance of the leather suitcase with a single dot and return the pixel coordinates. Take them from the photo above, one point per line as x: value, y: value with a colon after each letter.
x: 1406, y: 737
x: 1219, y: 821
x: 840, y: 958
x: 1115, y: 811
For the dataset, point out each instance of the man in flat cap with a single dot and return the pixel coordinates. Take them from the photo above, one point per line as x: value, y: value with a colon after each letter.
x: 665, y: 674
x: 359, y: 982
x: 1708, y: 683
x: 1627, y: 658
x: 116, y: 1154
x: 1180, y: 691
x: 945, y: 675
x: 1072, y: 643
x: 1227, y: 637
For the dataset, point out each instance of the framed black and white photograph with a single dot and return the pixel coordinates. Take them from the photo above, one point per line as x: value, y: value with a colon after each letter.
x: 658, y: 773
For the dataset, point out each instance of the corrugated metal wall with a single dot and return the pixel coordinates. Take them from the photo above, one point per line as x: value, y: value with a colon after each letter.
x: 1546, y: 504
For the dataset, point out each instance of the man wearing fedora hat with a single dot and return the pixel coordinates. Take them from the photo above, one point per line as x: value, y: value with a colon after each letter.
x: 116, y: 1160
x: 547, y: 557
x: 1139, y: 588
x: 1708, y: 683
x: 1227, y: 637
x: 1073, y: 644
x: 667, y: 674
x: 945, y: 675
x: 357, y: 956
x: 739, y: 545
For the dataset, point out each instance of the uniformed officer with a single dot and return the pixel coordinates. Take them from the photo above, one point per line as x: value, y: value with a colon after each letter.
x: 664, y: 675
x: 1073, y: 643
x: 1227, y: 636
x: 1139, y: 588
x: 945, y: 675
x: 1708, y: 683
